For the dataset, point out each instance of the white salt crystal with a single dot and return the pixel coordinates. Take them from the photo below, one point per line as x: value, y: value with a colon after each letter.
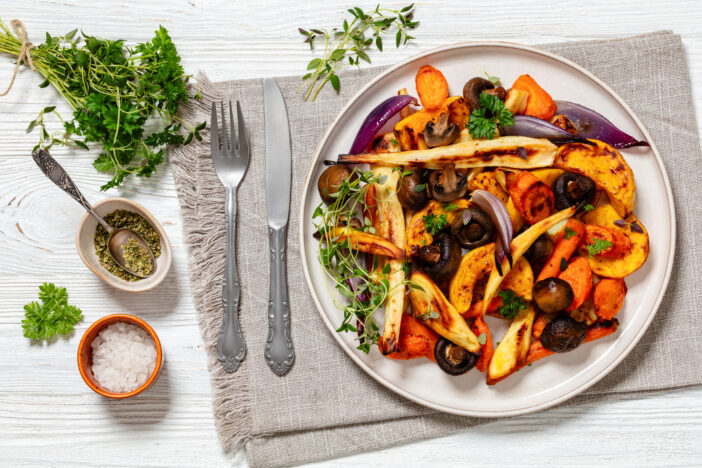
x: 124, y: 356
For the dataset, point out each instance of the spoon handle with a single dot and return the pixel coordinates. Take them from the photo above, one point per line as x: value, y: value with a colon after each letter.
x: 58, y: 175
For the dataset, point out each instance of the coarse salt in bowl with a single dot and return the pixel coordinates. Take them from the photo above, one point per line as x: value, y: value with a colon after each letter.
x: 119, y: 356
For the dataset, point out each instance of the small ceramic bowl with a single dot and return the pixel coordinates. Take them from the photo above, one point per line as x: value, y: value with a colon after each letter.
x: 85, y: 354
x: 86, y: 247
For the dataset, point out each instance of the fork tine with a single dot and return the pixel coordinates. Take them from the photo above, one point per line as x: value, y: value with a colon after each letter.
x: 243, y: 139
x: 214, y: 131
x: 225, y: 141
x: 232, y: 132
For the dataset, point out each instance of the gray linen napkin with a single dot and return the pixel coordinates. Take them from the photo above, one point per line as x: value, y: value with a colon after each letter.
x: 327, y: 406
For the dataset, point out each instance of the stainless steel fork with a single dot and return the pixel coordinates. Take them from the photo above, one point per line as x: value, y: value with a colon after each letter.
x: 230, y: 163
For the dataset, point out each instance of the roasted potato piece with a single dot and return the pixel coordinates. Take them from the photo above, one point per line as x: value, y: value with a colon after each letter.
x: 606, y: 215
x: 417, y: 236
x: 450, y: 324
x: 606, y: 167
x: 513, y: 347
x: 547, y: 176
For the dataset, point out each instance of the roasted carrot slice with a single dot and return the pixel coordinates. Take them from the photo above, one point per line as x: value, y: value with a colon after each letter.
x: 579, y: 275
x: 570, y: 239
x: 609, y: 297
x: 532, y: 198
x: 480, y: 327
x: 416, y: 340
x: 538, y: 327
x: 366, y: 242
x: 432, y: 87
x: 621, y: 244
x: 539, y: 102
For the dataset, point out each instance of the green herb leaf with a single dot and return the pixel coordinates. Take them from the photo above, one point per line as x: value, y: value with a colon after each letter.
x: 568, y: 232
x: 482, y: 338
x: 511, y: 304
x: 564, y: 264
x: 433, y: 224
x: 420, y: 187
x: 484, y: 120
x: 598, y: 246
x: 588, y: 207
x: 53, y: 315
x: 451, y: 207
x: 493, y: 79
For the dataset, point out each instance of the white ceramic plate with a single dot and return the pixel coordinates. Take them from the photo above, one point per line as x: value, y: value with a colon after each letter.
x: 556, y: 378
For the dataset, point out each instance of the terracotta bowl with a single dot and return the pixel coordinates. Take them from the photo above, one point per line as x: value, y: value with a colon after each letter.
x: 86, y: 248
x: 85, y: 354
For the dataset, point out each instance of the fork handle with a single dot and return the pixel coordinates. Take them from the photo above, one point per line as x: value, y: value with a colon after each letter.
x: 231, y: 348
x: 279, y: 352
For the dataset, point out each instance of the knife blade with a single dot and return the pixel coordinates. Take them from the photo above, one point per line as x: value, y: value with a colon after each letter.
x: 279, y: 352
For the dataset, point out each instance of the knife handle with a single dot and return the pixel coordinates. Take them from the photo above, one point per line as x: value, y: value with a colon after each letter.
x: 279, y: 352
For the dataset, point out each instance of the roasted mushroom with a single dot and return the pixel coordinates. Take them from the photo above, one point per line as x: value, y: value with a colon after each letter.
x: 539, y: 252
x: 563, y: 334
x: 472, y: 90
x: 499, y: 92
x: 473, y: 228
x: 552, y: 295
x: 441, y: 258
x: 440, y: 133
x: 572, y: 189
x: 413, y: 194
x: 331, y: 179
x: 454, y: 359
x: 447, y: 184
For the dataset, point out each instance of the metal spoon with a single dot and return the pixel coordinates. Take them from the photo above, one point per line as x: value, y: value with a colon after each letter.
x: 118, y: 237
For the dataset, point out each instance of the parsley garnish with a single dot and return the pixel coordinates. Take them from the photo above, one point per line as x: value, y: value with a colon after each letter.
x: 429, y: 314
x: 588, y: 207
x: 482, y: 338
x: 420, y: 188
x: 598, y: 246
x: 564, y: 264
x: 433, y: 223
x: 492, y: 79
x: 484, y: 120
x: 569, y: 232
x: 511, y: 304
x: 451, y: 207
x: 53, y: 315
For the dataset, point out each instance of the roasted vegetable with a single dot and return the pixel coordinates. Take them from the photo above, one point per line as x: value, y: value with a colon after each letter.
x: 473, y: 228
x: 573, y: 190
x: 366, y: 242
x: 441, y: 259
x: 608, y: 297
x: 479, y: 328
x: 331, y: 179
x: 413, y: 194
x: 532, y: 198
x: 563, y: 334
x: 447, y: 184
x: 606, y: 167
x: 519, y: 246
x: 488, y: 181
x: 474, y: 266
x: 454, y: 359
x: 591, y: 124
x: 607, y: 216
x: 579, y: 276
x: 408, y: 131
x: 427, y: 298
x: 376, y: 119
x: 441, y: 132
x: 565, y: 247
x: 514, y: 152
x: 520, y: 281
x: 553, y: 295
x: 539, y: 252
x: 472, y: 90
x: 416, y: 340
x: 619, y: 243
x: 416, y: 234
x: 432, y: 87
x: 526, y: 125
x: 548, y: 176
x: 513, y: 348
x: 391, y: 227
x: 539, y: 102
x: 516, y: 101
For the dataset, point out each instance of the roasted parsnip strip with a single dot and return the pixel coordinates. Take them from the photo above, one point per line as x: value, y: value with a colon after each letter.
x: 366, y: 242
x: 513, y: 347
x: 519, y: 246
x: 510, y: 151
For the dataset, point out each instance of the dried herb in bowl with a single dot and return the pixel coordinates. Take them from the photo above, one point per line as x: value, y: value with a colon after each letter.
x: 119, y: 219
x: 136, y: 258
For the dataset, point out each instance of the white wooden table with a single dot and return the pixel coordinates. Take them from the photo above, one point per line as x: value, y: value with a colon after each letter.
x: 47, y: 414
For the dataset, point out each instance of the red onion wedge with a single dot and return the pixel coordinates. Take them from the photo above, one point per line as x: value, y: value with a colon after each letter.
x: 500, y: 218
x: 376, y: 119
x: 528, y: 126
x: 591, y: 124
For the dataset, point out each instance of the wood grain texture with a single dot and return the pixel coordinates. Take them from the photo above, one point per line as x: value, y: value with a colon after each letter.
x: 47, y: 414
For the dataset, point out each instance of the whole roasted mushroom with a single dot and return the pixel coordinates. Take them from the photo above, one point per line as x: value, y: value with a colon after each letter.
x: 472, y: 90
x: 331, y: 179
x: 552, y: 295
x: 572, y: 189
x: 563, y: 334
x: 454, y: 359
x: 539, y: 252
x: 441, y: 258
x: 413, y: 194
x: 473, y: 228
x: 447, y: 184
x: 440, y: 133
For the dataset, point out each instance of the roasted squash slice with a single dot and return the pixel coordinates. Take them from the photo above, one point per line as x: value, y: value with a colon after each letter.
x: 417, y: 235
x: 606, y: 167
x: 408, y: 131
x: 487, y: 181
x: 606, y: 215
x: 474, y: 266
x: 427, y: 297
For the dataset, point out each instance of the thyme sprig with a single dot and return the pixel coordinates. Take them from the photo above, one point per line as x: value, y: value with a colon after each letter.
x: 348, y: 44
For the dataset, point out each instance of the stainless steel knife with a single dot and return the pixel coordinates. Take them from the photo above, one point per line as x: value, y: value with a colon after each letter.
x: 279, y: 352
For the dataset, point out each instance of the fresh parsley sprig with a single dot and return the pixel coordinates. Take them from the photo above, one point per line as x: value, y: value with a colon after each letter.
x: 53, y: 315
x: 511, y: 304
x: 433, y: 224
x: 348, y: 44
x: 484, y: 121
x: 598, y: 246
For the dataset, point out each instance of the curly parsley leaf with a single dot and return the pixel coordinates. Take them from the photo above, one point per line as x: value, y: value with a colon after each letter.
x: 484, y: 121
x: 433, y: 223
x: 568, y: 232
x: 511, y: 304
x: 53, y: 315
x: 598, y: 246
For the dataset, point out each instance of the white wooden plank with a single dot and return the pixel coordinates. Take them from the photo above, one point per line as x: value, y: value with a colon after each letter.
x: 47, y: 414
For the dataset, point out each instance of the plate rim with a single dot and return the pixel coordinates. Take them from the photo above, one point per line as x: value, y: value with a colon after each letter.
x: 534, y: 407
